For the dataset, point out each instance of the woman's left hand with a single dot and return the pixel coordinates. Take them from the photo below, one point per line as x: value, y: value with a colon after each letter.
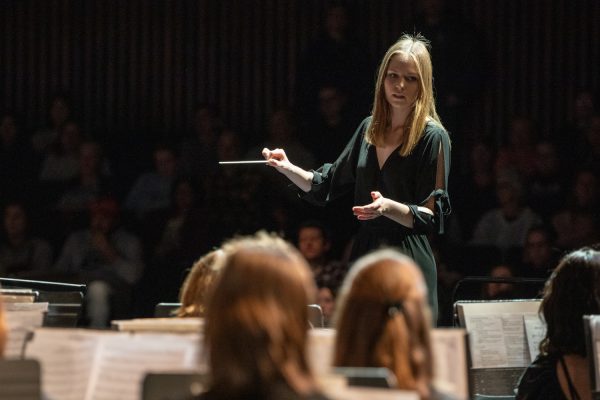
x: 373, y: 210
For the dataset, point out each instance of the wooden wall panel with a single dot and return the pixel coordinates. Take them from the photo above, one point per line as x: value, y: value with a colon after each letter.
x: 138, y: 67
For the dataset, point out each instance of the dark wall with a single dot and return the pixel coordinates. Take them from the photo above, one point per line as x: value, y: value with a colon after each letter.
x: 138, y: 67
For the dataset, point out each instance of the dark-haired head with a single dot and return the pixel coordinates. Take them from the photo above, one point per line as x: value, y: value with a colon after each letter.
x: 572, y: 291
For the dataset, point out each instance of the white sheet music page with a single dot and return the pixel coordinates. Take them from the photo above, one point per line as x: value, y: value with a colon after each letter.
x: 21, y: 318
x: 535, y: 330
x: 450, y: 373
x: 66, y: 357
x: 515, y: 341
x: 595, y: 329
x: 486, y: 339
x: 123, y: 362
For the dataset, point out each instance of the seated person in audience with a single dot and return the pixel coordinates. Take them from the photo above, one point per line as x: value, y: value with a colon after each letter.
x: 197, y: 284
x: 577, y: 225
x: 507, y: 225
x: 539, y: 254
x: 107, y: 259
x: 500, y: 290
x: 561, y: 370
x: 326, y: 294
x: 383, y: 320
x: 257, y: 323
x: 152, y: 190
x: 61, y: 163
x: 21, y: 255
x: 314, y: 243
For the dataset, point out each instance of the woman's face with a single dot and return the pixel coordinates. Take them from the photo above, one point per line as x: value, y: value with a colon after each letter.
x: 401, y: 82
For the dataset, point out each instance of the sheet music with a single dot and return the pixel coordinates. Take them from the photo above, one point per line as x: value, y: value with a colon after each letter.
x: 515, y: 341
x: 123, y: 362
x: 66, y: 357
x: 488, y: 349
x: 21, y: 318
x: 450, y: 362
x: 535, y: 330
x: 595, y: 333
x: 186, y: 325
x: 320, y: 350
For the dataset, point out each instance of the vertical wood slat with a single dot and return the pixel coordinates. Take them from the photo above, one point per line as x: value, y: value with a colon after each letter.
x: 142, y: 66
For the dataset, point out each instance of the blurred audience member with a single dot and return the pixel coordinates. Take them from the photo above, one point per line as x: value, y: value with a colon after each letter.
x: 314, y: 243
x: 507, y: 225
x: 58, y: 114
x: 539, y: 254
x: 92, y: 182
x: 152, y: 190
x: 519, y: 154
x: 326, y: 294
x: 107, y: 259
x: 561, y: 371
x: 257, y: 323
x: 500, y: 290
x: 197, y: 154
x: 546, y: 188
x: 61, y: 162
x: 577, y: 225
x: 18, y: 166
x: 334, y: 58
x: 474, y: 191
x: 21, y: 254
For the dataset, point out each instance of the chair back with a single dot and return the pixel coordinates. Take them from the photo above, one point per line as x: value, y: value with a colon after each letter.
x: 172, y: 386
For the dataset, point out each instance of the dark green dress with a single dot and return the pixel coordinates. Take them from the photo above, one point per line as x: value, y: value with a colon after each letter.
x: 409, y: 180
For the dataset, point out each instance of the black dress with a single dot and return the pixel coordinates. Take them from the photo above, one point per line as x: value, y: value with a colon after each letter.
x: 540, y: 382
x: 410, y: 180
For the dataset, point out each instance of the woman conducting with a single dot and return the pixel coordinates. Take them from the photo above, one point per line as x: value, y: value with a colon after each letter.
x: 397, y: 163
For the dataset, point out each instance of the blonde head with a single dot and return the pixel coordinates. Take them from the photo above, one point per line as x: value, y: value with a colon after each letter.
x: 417, y: 49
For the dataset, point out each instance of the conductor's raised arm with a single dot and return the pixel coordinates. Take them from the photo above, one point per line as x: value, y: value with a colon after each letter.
x: 278, y: 159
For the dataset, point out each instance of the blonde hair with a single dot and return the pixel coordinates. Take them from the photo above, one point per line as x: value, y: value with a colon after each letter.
x: 257, y: 318
x: 383, y: 319
x: 198, y: 282
x: 417, y: 48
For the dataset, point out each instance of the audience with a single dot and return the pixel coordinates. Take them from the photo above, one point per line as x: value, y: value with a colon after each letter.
x: 21, y: 254
x: 506, y: 226
x: 561, y: 371
x: 197, y: 284
x: 500, y: 290
x: 152, y: 190
x: 257, y: 323
x: 107, y: 259
x: 383, y: 320
x: 314, y: 243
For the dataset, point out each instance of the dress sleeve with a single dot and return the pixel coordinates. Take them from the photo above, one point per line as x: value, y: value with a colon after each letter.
x: 432, y: 181
x: 331, y: 181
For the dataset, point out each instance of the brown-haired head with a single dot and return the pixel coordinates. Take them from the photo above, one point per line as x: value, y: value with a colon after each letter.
x: 572, y: 291
x: 198, y: 283
x: 257, y: 319
x: 383, y: 319
x: 416, y: 48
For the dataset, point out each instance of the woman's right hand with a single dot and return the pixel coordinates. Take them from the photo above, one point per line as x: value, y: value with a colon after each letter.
x: 276, y: 158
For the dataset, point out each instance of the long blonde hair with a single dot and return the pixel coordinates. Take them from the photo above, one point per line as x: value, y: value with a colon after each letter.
x: 417, y: 48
